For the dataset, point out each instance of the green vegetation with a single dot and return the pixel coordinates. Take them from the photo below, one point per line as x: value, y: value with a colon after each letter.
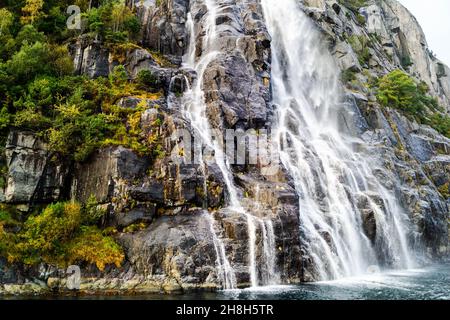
x: 146, y: 80
x: 361, y: 46
x: 353, y: 5
x: 348, y: 76
x: 361, y: 19
x: 135, y: 227
x: 75, y: 115
x: 62, y: 234
x: 445, y: 190
x: 400, y: 91
x: 406, y: 62
x: 441, y: 123
x: 113, y: 21
x: 38, y: 91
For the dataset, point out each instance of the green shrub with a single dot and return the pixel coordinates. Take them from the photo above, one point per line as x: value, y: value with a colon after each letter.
x: 6, y: 21
x: 5, y: 119
x: 400, y: 91
x: 406, y: 62
x: 361, y: 19
x: 30, y: 61
x: 29, y: 35
x: 77, y: 132
x: 119, y: 76
x: 6, y: 240
x: 91, y: 246
x: 6, y: 217
x: 92, y: 213
x: 440, y: 123
x: 60, y: 235
x: 146, y: 80
x: 39, y: 59
x: 353, y: 5
x: 113, y: 21
x: 361, y: 46
x: 348, y: 75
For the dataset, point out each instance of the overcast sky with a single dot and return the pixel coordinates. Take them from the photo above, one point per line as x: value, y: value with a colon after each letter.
x: 434, y: 17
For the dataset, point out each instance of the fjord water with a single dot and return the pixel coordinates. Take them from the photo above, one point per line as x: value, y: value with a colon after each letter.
x: 335, y: 184
x: 432, y: 283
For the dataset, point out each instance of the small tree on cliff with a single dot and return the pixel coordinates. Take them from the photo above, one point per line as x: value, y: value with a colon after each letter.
x: 32, y: 11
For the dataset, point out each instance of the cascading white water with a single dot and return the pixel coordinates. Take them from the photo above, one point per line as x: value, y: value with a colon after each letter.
x: 269, y: 272
x: 225, y: 271
x: 331, y: 179
x: 189, y: 58
x: 270, y: 276
x: 195, y: 113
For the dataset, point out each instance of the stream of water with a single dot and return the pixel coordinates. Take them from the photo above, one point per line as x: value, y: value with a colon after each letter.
x: 195, y: 112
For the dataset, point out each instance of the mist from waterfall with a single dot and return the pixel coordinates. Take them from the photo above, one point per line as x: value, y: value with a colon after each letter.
x: 335, y: 184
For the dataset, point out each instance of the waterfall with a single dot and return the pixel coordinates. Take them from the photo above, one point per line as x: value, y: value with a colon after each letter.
x: 335, y: 184
x: 195, y: 112
x: 225, y: 271
x: 189, y: 58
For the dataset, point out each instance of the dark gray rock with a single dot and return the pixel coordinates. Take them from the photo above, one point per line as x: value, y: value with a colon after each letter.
x: 26, y: 157
x: 179, y: 247
x: 368, y: 218
x: 90, y: 58
x: 33, y: 174
x: 104, y: 174
x: 432, y: 222
x: 235, y: 94
x: 164, y: 25
x: 419, y: 147
x: 350, y: 119
x: 138, y: 60
x: 8, y: 273
x: 153, y: 192
x: 438, y: 169
x: 139, y: 214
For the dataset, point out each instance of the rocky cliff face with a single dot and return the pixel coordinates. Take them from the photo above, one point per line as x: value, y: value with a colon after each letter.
x: 177, y: 249
x: 400, y: 40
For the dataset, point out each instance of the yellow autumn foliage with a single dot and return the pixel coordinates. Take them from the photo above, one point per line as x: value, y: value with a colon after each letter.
x: 32, y: 11
x: 61, y: 235
x: 93, y: 247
